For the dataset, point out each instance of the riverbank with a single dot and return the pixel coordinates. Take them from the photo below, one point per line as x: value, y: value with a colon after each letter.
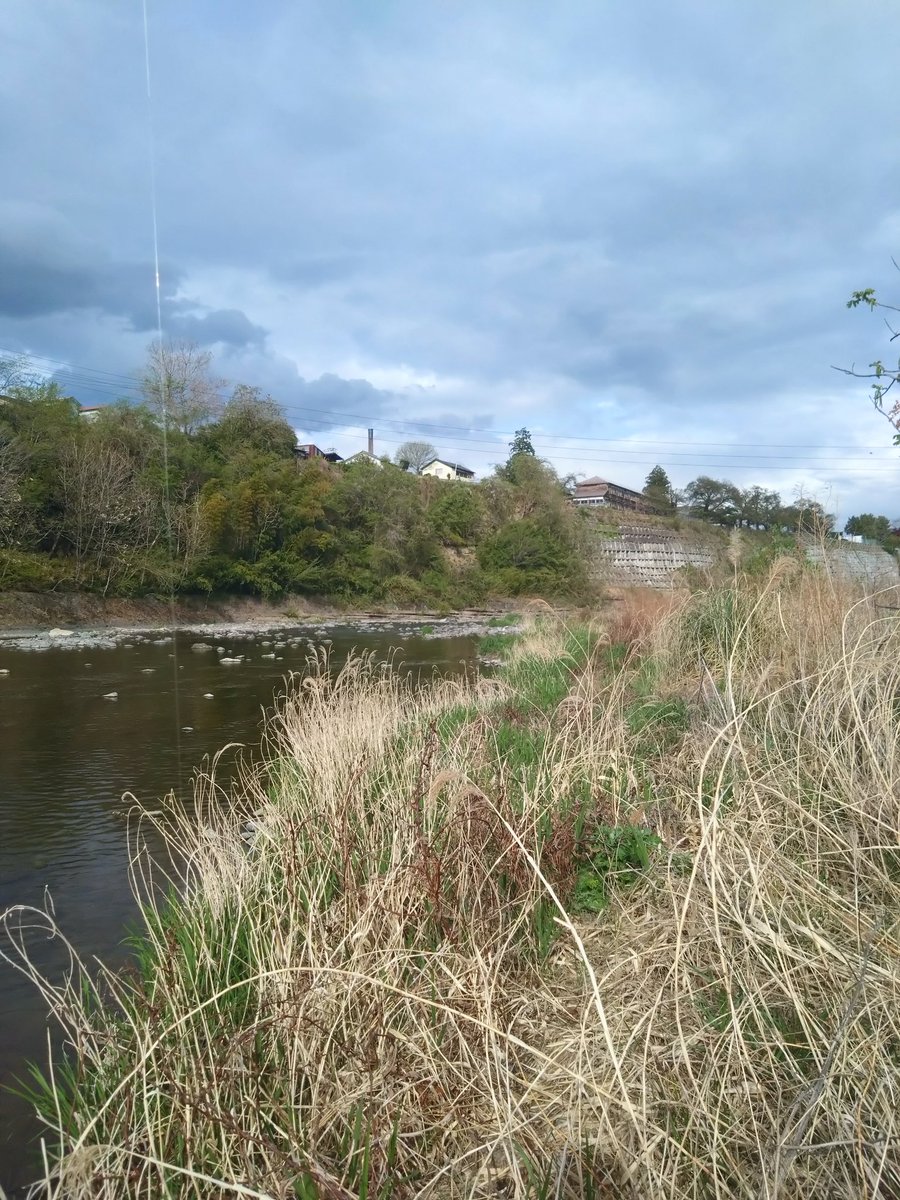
x: 66, y: 622
x: 613, y: 922
x: 45, y: 610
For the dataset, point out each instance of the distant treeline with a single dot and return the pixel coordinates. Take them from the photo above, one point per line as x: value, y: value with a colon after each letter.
x: 721, y: 502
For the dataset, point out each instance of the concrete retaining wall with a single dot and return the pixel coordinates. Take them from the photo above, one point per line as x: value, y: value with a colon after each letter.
x: 650, y: 556
x: 852, y: 562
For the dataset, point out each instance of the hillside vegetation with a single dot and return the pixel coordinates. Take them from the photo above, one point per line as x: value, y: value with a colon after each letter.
x: 110, y: 505
x: 621, y: 921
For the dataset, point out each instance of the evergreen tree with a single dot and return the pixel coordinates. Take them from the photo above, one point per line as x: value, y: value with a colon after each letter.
x: 659, y: 491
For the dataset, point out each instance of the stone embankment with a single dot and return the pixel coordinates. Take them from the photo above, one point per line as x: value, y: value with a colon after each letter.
x: 851, y: 562
x: 640, y: 554
x: 652, y: 555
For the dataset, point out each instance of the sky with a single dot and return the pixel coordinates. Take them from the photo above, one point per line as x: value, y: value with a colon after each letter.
x: 630, y: 228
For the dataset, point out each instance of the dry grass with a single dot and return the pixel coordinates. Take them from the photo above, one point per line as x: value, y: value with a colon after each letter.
x: 389, y: 990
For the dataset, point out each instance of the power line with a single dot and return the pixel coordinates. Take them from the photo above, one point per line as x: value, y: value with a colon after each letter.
x: 601, y: 459
x: 479, y: 444
x: 592, y: 450
x: 108, y: 380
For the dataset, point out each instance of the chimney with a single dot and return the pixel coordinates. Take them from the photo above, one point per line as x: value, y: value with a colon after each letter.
x: 371, y: 441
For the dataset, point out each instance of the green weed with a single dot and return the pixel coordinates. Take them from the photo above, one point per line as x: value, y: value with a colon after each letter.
x: 616, y: 855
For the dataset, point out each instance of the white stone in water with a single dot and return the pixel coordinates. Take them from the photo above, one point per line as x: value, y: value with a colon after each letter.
x: 111, y: 696
x: 265, y: 643
x: 88, y: 664
x: 187, y: 729
x: 147, y: 670
x: 220, y: 649
x: 128, y: 645
x: 272, y: 655
x: 4, y: 670
x: 60, y: 633
x: 201, y: 647
x: 208, y: 696
x: 227, y: 662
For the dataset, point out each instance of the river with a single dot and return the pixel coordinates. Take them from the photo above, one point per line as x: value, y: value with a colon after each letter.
x: 68, y: 755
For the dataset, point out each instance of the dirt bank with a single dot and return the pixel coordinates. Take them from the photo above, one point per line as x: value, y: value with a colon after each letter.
x: 33, y: 610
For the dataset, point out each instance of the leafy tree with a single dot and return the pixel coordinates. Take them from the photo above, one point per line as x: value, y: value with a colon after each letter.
x: 251, y: 420
x: 413, y: 455
x: 521, y: 444
x: 716, y: 500
x: 867, y: 525
x: 659, y: 491
x: 805, y: 516
x: 177, y: 385
x: 456, y: 513
x: 759, y: 508
x: 40, y: 423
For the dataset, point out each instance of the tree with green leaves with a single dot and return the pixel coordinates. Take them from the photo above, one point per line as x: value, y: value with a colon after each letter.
x: 521, y: 443
x: 659, y: 491
x: 716, y: 500
x: 867, y: 525
x: 252, y: 420
x: 759, y: 508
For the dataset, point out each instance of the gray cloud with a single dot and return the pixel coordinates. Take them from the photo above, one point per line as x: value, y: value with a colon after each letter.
x: 602, y: 221
x: 225, y: 326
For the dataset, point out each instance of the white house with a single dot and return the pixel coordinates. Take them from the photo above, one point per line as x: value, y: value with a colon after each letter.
x: 363, y: 456
x: 441, y: 469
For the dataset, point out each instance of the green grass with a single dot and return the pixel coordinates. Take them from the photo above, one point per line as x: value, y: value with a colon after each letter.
x: 497, y: 643
x: 615, y: 857
x: 502, y: 621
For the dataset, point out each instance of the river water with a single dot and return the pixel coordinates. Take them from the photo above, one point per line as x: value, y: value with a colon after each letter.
x: 67, y: 757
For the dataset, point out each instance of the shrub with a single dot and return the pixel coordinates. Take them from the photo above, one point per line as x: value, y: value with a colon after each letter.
x: 400, y: 589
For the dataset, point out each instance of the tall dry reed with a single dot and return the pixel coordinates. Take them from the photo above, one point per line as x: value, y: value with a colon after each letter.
x: 381, y: 977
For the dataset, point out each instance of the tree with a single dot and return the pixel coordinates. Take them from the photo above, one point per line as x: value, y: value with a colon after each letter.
x: 177, y: 384
x: 867, y: 525
x: 14, y: 513
x: 805, y: 516
x: 884, y: 376
x: 659, y: 491
x: 758, y: 508
x: 252, y: 420
x: 108, y: 515
x: 13, y: 373
x: 456, y: 513
x: 521, y: 444
x: 413, y: 456
x: 716, y: 500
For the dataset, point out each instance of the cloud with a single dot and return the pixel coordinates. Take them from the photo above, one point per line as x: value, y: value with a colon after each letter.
x: 225, y: 326
x: 605, y: 222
